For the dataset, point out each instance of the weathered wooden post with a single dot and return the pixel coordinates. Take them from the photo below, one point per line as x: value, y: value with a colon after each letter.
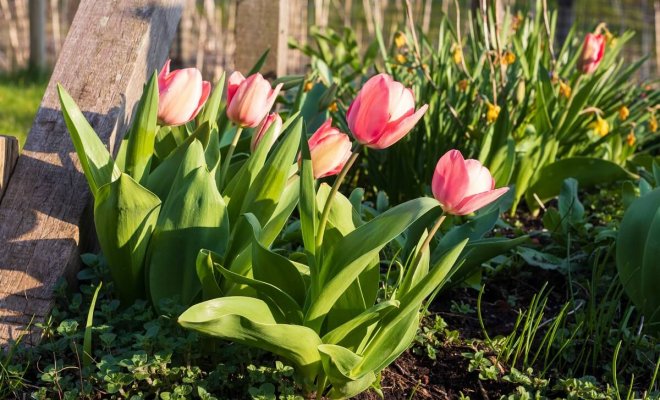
x: 111, y: 49
x: 38, y: 34
x: 262, y: 25
x: 8, y: 157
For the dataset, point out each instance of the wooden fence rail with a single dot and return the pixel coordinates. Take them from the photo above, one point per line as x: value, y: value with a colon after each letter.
x: 110, y: 51
x: 8, y: 158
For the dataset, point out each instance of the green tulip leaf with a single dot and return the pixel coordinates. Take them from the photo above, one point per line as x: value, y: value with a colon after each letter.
x: 193, y: 217
x: 95, y: 159
x: 355, y: 252
x: 249, y: 321
x: 142, y: 136
x: 637, y: 254
x: 125, y: 215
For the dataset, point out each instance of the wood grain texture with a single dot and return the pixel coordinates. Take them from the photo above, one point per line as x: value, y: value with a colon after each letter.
x: 111, y: 49
x: 8, y: 157
x: 262, y: 25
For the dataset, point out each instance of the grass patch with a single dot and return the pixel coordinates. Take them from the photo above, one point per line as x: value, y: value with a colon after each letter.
x: 20, y: 95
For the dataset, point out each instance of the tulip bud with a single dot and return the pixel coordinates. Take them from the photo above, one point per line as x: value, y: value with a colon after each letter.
x: 274, y: 120
x: 329, y: 149
x: 630, y: 139
x: 383, y: 112
x: 463, y: 186
x: 181, y: 94
x: 592, y: 53
x: 249, y: 100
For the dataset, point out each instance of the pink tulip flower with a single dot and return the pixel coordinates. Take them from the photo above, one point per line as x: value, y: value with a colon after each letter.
x: 383, y: 112
x: 249, y: 100
x: 463, y: 186
x: 330, y: 149
x: 272, y: 119
x: 181, y: 94
x: 592, y: 53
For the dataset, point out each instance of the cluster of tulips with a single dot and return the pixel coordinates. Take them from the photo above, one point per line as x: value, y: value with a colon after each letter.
x: 179, y: 218
x: 382, y: 113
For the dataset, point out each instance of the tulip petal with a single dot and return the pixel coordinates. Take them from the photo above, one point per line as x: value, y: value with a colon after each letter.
x: 180, y: 97
x: 480, y: 178
x: 330, y: 154
x: 322, y: 132
x: 235, y: 80
x: 162, y: 75
x: 450, y: 180
x: 398, y: 129
x: 206, y: 91
x: 472, y: 203
x: 402, y: 101
x: 372, y: 114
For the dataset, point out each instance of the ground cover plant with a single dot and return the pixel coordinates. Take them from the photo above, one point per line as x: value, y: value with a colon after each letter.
x: 241, y: 258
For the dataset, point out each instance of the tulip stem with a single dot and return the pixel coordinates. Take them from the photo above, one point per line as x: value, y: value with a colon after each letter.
x: 227, y: 161
x: 335, y: 187
x: 428, y: 239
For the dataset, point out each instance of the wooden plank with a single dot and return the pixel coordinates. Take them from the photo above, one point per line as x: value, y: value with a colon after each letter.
x: 8, y: 158
x: 38, y: 34
x: 262, y: 25
x: 111, y: 49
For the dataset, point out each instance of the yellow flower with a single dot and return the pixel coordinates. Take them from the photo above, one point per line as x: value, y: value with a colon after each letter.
x: 462, y: 85
x: 508, y: 58
x: 630, y: 139
x: 400, y: 39
x: 333, y: 107
x: 564, y: 89
x: 624, y: 112
x: 600, y: 126
x: 308, y: 86
x: 492, y: 113
x: 653, y: 123
x: 457, y: 54
x: 400, y: 58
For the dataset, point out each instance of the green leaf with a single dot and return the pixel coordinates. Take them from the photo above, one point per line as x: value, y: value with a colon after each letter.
x: 286, y: 307
x: 570, y: 207
x: 307, y: 205
x: 260, y: 63
x: 353, y: 333
x: 141, y: 139
x: 125, y: 216
x: 338, y: 363
x: 160, y: 180
x: 212, y: 107
x: 206, y: 274
x: 637, y: 254
x: 193, y: 217
x: 356, y: 251
x: 274, y: 268
x: 249, y: 321
x: 87, y: 338
x: 587, y: 171
x: 95, y: 160
x: 397, y: 329
x: 265, y: 192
